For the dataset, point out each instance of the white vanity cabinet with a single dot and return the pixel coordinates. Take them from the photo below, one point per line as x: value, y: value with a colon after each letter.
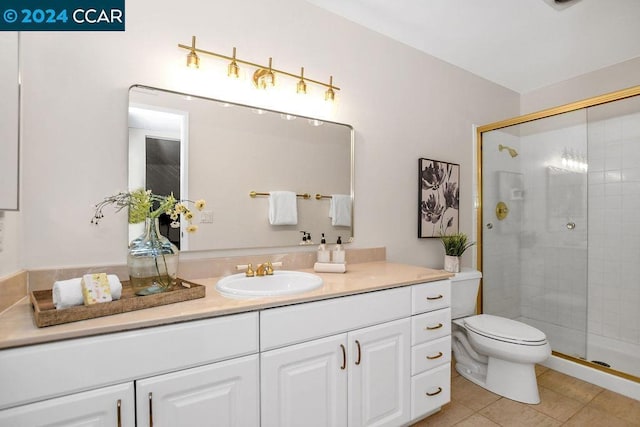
x: 356, y: 378
x: 220, y: 394
x: 430, y: 347
x: 107, y: 406
x: 380, y: 358
x: 193, y: 370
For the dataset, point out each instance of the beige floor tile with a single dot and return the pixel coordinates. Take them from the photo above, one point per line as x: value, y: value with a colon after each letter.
x: 592, y: 417
x: 471, y: 395
x: 618, y: 405
x: 477, y: 420
x: 556, y: 405
x: 509, y: 413
x: 541, y: 370
x: 449, y: 415
x: 569, y: 386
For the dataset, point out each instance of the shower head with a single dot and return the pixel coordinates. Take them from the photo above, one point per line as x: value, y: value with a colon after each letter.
x: 512, y: 152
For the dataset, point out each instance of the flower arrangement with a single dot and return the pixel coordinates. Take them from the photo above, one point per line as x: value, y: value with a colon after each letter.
x: 455, y: 244
x: 143, y: 204
x: 152, y: 259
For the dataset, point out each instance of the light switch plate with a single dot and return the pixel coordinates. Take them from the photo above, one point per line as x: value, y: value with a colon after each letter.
x: 206, y: 217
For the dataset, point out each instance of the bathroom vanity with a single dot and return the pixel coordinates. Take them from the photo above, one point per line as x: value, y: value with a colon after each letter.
x: 371, y: 347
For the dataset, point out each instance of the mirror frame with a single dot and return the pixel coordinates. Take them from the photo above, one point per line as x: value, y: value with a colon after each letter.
x: 346, y: 239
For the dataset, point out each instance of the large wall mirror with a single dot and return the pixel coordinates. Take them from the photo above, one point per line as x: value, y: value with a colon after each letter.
x: 202, y: 148
x: 10, y: 113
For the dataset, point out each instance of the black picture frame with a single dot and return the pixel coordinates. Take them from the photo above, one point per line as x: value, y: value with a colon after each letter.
x: 439, y: 198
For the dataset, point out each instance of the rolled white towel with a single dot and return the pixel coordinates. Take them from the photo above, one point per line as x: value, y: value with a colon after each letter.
x: 68, y: 293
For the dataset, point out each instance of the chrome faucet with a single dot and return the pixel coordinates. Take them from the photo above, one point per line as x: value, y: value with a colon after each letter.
x: 265, y: 269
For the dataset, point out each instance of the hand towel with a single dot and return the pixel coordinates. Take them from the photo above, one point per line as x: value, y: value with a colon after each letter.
x: 68, y: 293
x: 340, y: 210
x: 283, y: 208
x: 95, y: 288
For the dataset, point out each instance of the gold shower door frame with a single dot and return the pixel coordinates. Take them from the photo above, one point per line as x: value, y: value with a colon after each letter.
x: 585, y: 103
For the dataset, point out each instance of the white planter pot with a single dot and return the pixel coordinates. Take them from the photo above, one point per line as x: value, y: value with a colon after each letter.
x: 452, y: 264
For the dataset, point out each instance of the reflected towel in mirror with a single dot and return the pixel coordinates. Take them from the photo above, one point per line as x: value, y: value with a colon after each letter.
x: 340, y: 210
x: 283, y: 208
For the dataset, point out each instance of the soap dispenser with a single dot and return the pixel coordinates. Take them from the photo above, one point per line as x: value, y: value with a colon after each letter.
x: 323, y: 254
x: 338, y: 252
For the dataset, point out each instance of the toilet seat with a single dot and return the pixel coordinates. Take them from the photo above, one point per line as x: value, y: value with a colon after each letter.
x: 506, y: 330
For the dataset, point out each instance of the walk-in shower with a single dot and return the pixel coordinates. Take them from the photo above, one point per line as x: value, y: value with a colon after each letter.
x: 559, y: 227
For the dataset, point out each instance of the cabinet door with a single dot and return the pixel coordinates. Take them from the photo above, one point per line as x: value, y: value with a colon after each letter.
x: 305, y: 384
x: 219, y: 394
x: 380, y: 374
x: 107, y: 406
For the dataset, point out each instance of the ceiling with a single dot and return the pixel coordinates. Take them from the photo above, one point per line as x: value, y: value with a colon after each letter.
x: 520, y: 44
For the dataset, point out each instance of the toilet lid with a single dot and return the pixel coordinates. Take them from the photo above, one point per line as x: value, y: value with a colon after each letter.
x: 505, y: 329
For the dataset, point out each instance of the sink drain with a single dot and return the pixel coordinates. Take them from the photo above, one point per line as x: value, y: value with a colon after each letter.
x: 598, y: 362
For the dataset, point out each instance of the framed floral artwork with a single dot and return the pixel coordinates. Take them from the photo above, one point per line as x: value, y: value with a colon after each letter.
x: 439, y: 198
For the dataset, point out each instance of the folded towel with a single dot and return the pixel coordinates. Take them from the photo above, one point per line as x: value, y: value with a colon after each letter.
x: 68, y: 293
x: 283, y: 208
x: 95, y: 288
x: 340, y: 210
x: 330, y: 267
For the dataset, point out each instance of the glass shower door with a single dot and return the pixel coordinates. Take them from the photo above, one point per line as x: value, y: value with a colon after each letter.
x: 534, y: 233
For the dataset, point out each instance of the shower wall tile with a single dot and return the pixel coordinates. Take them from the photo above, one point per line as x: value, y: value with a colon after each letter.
x: 614, y: 228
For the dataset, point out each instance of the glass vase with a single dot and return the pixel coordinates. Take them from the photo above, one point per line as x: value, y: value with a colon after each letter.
x: 152, y: 261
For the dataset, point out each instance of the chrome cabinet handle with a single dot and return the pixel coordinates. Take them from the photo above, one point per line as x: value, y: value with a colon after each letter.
x: 437, y: 356
x: 119, y: 405
x: 150, y: 409
x: 359, y: 353
x: 433, y: 298
x: 435, y: 392
x: 344, y: 357
x: 431, y: 328
x: 571, y: 225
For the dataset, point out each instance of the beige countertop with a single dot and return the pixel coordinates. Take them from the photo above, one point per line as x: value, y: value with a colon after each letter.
x: 17, y: 326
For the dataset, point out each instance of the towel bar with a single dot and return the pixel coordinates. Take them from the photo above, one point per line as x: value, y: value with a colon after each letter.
x: 255, y: 193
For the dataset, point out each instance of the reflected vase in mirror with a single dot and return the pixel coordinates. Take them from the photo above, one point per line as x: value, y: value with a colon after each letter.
x: 152, y: 261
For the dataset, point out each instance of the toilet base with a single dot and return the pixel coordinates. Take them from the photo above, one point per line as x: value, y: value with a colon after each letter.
x: 516, y: 381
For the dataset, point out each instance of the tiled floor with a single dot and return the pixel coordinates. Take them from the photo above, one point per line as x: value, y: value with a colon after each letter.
x: 566, y: 401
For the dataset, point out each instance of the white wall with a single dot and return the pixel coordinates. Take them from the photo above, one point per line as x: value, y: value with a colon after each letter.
x: 610, y: 79
x: 402, y: 103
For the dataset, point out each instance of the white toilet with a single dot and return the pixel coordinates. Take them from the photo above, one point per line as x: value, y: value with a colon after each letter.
x: 494, y: 352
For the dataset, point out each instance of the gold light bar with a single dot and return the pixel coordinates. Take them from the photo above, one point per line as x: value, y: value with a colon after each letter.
x: 193, y: 50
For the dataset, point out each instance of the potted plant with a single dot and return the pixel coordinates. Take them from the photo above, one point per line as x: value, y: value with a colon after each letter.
x: 454, y: 247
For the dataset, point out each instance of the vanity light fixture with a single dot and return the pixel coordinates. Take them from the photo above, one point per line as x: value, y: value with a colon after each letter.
x: 264, y: 76
x: 301, y: 87
x: 233, y: 70
x: 192, y: 58
x: 330, y: 95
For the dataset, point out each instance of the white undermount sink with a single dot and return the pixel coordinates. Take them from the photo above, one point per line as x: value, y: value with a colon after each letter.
x: 282, y: 282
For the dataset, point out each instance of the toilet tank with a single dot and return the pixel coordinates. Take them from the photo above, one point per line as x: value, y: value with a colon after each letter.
x: 464, y: 292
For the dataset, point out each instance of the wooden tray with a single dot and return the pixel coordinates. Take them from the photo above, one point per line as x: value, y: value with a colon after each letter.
x: 45, y: 312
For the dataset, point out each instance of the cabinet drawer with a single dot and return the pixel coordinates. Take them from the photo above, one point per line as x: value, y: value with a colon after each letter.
x: 304, y: 322
x: 430, y: 296
x: 429, y: 326
x: 430, y: 355
x: 430, y: 390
